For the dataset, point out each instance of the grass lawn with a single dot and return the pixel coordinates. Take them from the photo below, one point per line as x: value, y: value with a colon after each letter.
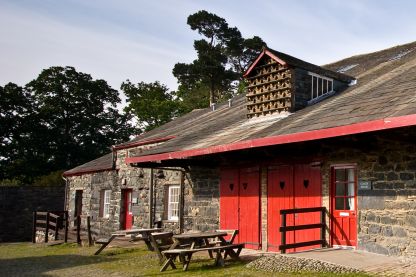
x: 27, y: 259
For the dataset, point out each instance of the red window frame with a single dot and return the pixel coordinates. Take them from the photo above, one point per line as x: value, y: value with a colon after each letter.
x: 345, y: 182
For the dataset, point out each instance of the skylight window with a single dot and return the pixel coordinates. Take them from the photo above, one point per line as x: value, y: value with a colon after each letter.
x: 321, y: 85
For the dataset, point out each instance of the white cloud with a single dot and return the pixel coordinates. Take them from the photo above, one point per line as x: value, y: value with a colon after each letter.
x: 142, y: 40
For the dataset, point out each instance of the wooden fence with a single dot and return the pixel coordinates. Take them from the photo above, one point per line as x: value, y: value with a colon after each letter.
x: 51, y: 221
x: 284, y: 228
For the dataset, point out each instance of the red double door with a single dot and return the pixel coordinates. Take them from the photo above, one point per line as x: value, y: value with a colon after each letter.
x: 240, y: 204
x: 290, y: 187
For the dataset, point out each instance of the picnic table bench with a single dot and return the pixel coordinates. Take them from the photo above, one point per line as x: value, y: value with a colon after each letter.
x: 142, y: 233
x: 197, y: 242
x: 185, y: 255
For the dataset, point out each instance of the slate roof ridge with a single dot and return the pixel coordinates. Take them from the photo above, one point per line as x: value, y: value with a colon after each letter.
x: 357, y: 56
x: 296, y: 62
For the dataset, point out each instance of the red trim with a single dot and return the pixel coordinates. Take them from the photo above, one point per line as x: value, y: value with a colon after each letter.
x: 78, y: 173
x: 356, y: 128
x: 270, y: 54
x: 141, y: 142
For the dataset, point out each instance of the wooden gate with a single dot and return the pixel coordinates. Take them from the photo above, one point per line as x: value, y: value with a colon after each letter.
x: 293, y: 187
x: 240, y: 204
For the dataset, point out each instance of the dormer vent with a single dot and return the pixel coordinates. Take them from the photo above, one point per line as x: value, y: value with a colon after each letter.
x: 269, y: 89
x: 279, y: 83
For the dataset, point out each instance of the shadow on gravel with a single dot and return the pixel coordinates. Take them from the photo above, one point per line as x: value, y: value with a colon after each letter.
x: 38, y: 266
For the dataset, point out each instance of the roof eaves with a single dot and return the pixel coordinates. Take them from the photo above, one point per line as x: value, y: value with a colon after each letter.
x: 87, y: 171
x: 356, y: 128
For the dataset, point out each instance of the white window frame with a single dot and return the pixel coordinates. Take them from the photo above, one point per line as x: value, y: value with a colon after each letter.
x: 173, y: 202
x: 106, y: 203
x: 320, y: 90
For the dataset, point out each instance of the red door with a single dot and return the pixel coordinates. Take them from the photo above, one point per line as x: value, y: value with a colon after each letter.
x: 279, y: 197
x: 343, y: 206
x: 249, y: 204
x: 308, y: 190
x: 128, y: 220
x: 229, y: 186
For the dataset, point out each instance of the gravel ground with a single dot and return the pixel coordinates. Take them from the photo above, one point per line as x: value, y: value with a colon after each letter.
x: 292, y: 264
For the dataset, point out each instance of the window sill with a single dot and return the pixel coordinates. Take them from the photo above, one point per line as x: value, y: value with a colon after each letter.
x: 170, y: 221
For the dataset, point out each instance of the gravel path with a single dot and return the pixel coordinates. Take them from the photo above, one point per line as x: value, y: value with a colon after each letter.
x: 292, y: 264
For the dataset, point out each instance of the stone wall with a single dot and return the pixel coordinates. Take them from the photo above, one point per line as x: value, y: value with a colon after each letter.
x: 201, y: 199
x: 125, y: 177
x: 91, y: 186
x: 17, y: 205
x: 386, y: 212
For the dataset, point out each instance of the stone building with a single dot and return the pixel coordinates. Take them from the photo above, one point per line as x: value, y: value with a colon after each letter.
x: 341, y: 136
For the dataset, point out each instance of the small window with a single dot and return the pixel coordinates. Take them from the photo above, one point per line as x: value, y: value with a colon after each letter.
x: 345, y: 184
x: 321, y: 85
x: 173, y: 203
x: 106, y: 203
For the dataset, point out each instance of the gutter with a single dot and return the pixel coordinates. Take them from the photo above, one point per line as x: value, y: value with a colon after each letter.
x: 66, y: 192
x: 356, y: 128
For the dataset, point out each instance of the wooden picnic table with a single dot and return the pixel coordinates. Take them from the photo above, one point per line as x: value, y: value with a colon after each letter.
x: 195, y: 239
x: 144, y: 233
x: 199, y: 242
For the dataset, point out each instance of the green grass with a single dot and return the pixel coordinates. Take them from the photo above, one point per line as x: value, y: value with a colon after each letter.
x: 27, y: 259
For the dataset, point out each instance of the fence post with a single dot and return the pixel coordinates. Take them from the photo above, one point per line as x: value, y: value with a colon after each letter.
x: 47, y: 227
x: 283, y: 233
x: 66, y: 226
x: 34, y: 227
x: 89, y: 231
x: 56, y: 227
x: 323, y: 228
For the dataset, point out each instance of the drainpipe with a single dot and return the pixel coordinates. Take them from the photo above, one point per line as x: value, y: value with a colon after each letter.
x: 151, y: 199
x: 181, y: 201
x: 66, y: 192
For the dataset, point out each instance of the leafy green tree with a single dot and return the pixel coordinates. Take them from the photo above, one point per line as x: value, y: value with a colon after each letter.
x: 79, y: 116
x: 16, y: 122
x: 222, y: 56
x: 150, y: 103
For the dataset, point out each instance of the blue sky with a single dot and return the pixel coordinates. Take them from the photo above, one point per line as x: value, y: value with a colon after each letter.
x: 142, y: 40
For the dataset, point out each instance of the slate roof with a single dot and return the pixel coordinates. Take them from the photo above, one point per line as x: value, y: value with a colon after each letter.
x: 386, y: 87
x: 290, y: 60
x: 100, y: 164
